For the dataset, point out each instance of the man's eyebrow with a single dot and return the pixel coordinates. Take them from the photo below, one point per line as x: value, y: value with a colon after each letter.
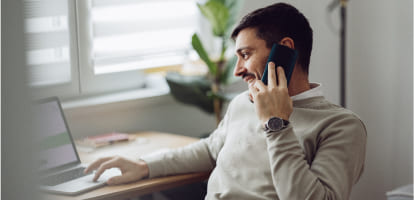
x: 242, y: 48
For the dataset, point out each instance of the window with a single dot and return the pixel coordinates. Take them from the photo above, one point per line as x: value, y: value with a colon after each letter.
x: 96, y: 46
x: 130, y: 35
x: 51, y: 55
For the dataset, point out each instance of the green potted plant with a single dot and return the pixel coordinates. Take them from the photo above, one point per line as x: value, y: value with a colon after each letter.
x: 205, y: 92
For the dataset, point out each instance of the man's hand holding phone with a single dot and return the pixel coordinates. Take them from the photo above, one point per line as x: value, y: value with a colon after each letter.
x: 272, y: 100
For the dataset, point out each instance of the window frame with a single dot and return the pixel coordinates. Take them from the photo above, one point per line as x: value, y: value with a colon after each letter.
x: 91, y: 83
x: 71, y: 88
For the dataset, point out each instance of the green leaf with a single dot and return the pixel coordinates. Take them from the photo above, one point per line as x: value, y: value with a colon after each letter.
x: 220, y: 1
x: 192, y: 90
x: 196, y: 43
x: 217, y: 14
x: 234, y: 7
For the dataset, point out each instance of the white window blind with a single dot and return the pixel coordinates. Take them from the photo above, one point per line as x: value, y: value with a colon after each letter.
x: 48, y: 52
x: 139, y: 34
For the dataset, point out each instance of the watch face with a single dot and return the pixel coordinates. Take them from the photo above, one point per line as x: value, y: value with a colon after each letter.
x: 275, y: 124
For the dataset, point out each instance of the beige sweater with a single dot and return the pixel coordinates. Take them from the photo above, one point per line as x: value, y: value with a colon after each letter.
x: 320, y: 155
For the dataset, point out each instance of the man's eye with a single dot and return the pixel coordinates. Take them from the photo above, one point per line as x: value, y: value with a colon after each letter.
x: 244, y: 55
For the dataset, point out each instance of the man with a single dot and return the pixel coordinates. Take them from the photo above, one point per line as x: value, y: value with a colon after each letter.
x: 290, y: 143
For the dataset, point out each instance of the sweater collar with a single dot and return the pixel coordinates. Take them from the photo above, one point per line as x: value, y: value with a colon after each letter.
x: 315, y: 91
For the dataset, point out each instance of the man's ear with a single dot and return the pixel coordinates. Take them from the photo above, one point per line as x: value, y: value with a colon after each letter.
x: 287, y: 41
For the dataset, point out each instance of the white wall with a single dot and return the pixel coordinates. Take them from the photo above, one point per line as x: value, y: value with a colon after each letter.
x: 379, y: 89
x: 380, y: 70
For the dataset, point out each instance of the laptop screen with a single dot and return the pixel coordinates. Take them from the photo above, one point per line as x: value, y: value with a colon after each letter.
x: 55, y: 147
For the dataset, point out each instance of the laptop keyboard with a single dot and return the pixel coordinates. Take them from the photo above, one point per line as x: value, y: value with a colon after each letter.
x: 64, y: 177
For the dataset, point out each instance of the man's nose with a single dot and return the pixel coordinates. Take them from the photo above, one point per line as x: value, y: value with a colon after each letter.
x: 239, y: 69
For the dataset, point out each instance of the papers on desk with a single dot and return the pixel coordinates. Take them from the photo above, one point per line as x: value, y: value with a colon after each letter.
x: 103, y: 140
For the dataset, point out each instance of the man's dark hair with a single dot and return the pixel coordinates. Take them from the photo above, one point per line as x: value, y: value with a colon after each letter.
x: 277, y: 21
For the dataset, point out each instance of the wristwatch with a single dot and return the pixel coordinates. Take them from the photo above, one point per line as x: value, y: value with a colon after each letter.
x: 275, y: 124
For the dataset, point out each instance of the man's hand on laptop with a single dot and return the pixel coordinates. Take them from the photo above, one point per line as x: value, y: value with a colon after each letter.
x: 131, y: 170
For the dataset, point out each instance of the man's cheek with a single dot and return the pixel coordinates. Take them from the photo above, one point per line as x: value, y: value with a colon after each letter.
x: 254, y: 68
x: 262, y: 67
x: 259, y: 66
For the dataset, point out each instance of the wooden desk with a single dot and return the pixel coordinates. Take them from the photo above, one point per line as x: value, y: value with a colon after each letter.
x: 143, y: 143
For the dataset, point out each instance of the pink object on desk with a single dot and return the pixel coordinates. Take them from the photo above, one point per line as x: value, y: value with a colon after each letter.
x: 104, y: 139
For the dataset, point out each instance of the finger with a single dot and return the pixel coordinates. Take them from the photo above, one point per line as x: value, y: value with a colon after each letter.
x: 96, y: 164
x: 282, y: 78
x: 253, y: 91
x: 271, y: 75
x: 106, y: 165
x: 115, y: 180
x: 259, y: 85
x: 120, y: 179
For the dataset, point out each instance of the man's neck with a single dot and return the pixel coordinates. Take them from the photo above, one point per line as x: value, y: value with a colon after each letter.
x: 298, y: 85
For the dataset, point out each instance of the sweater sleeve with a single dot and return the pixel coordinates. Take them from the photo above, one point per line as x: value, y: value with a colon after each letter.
x: 337, y: 163
x: 196, y: 157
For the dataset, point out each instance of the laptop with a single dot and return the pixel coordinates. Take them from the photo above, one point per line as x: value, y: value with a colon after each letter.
x: 57, y: 159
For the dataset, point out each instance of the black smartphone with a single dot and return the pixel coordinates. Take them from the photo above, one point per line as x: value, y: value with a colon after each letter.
x: 282, y: 56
